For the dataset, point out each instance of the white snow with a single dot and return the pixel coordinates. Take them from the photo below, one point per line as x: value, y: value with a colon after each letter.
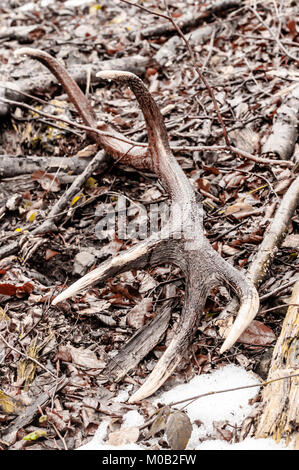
x: 232, y: 407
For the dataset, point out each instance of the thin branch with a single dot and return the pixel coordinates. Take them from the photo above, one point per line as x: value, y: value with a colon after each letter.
x: 277, y: 308
x: 262, y: 384
x: 71, y: 123
x: 193, y: 59
x: 276, y: 39
x: 197, y: 397
x: 279, y: 289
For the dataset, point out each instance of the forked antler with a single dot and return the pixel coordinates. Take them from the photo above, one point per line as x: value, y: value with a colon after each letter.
x: 181, y: 240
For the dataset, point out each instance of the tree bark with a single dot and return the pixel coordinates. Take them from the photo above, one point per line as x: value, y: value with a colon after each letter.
x: 280, y: 416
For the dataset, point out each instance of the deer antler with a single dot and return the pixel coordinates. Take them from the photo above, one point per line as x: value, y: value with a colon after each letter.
x: 181, y: 240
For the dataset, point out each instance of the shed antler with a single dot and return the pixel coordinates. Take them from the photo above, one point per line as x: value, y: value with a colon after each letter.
x: 180, y: 241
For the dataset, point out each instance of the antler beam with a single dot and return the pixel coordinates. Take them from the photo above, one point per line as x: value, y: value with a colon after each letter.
x: 181, y: 240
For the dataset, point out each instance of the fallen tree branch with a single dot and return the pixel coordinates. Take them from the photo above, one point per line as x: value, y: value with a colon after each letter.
x: 237, y: 151
x: 12, y: 166
x: 243, y: 387
x: 169, y: 51
x: 189, y: 20
x: 280, y: 415
x: 8, y: 435
x: 274, y: 234
x: 99, y: 160
x: 139, y: 345
x: 283, y: 137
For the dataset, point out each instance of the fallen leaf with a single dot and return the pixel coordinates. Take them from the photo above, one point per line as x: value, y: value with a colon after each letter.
x: 257, y: 334
x: 136, y: 317
x: 9, y: 404
x: 60, y: 418
x: 159, y: 424
x: 124, y: 436
x: 19, y: 291
x: 178, y: 430
x: 238, y: 207
x: 81, y: 357
x: 87, y: 152
x: 291, y: 241
x: 222, y: 433
x: 33, y: 436
x: 50, y: 253
x: 47, y: 181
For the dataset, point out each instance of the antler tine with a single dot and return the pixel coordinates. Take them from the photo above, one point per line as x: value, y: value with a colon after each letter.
x: 147, y: 252
x: 112, y: 142
x: 248, y: 296
x: 73, y: 91
x: 164, y: 163
x: 124, y: 261
x: 247, y: 312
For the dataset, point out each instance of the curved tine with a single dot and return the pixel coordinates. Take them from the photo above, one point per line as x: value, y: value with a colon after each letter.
x: 124, y: 261
x: 195, y: 299
x: 114, y: 143
x: 247, y: 312
x: 73, y: 91
x: 249, y: 301
x: 163, y: 369
x: 164, y: 164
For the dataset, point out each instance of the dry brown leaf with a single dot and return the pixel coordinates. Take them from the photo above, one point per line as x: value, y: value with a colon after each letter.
x: 124, y: 436
x: 81, y: 357
x: 47, y: 181
x: 178, y: 430
x: 238, y: 207
x: 291, y: 241
x: 50, y: 253
x: 87, y: 152
x: 9, y: 404
x: 136, y: 317
x: 159, y: 424
x: 257, y: 334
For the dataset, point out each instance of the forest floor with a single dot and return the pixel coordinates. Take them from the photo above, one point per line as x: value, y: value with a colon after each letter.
x: 248, y: 56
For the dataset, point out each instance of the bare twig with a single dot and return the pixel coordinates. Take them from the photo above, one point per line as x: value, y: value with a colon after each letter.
x: 193, y: 59
x: 215, y: 392
x: 275, y: 38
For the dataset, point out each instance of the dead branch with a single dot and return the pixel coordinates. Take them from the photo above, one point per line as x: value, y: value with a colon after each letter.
x: 189, y: 20
x: 169, y: 50
x: 283, y: 137
x: 139, y: 345
x: 11, y: 166
x: 236, y: 151
x: 20, y: 33
x: 274, y: 235
x: 181, y: 240
x: 280, y: 415
x: 8, y: 435
x: 49, y: 224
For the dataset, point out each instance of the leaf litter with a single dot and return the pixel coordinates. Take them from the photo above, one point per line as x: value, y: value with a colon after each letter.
x: 87, y: 331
